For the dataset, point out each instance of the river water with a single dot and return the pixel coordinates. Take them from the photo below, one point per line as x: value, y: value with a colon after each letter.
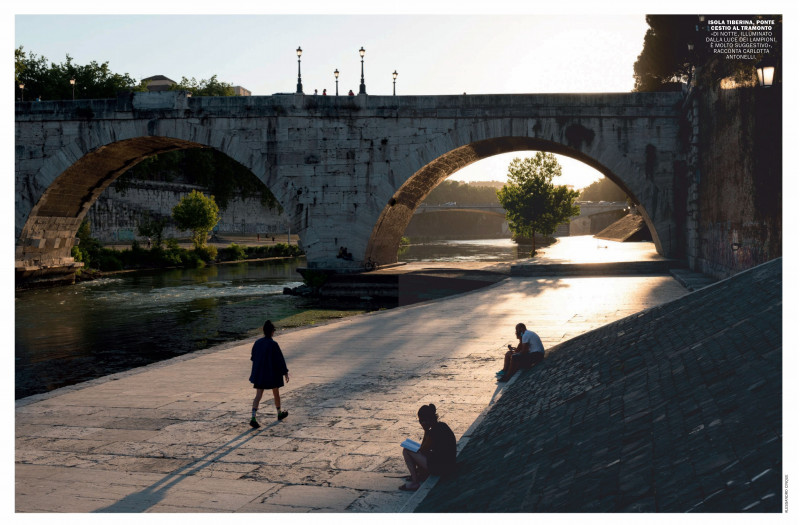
x: 71, y: 334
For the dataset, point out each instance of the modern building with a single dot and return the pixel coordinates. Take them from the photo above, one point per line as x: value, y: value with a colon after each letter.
x: 239, y: 91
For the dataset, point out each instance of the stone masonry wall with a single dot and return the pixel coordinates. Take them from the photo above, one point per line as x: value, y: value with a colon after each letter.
x: 116, y: 214
x: 734, y: 205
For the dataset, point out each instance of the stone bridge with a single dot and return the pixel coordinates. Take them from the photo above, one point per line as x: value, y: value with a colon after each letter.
x: 349, y: 171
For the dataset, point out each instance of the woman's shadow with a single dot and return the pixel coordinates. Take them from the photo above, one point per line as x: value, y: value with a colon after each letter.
x: 150, y: 496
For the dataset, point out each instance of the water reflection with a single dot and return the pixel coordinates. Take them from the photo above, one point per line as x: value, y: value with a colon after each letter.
x: 70, y: 334
x: 465, y: 250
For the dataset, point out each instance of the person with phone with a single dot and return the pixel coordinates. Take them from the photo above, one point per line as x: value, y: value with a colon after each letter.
x: 529, y: 351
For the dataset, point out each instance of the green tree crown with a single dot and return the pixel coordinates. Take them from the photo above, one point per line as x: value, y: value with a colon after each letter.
x: 204, y: 88
x: 197, y: 213
x: 531, y: 200
x: 51, y: 81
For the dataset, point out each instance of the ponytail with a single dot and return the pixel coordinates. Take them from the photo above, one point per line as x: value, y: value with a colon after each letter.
x: 428, y: 413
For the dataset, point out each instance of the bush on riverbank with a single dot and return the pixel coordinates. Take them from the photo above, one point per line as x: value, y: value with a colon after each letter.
x: 95, y: 257
x: 234, y: 252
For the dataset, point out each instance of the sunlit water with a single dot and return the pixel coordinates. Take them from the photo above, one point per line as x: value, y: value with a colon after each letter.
x: 464, y: 251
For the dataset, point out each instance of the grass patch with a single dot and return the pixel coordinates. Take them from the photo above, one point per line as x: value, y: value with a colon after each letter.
x: 312, y: 317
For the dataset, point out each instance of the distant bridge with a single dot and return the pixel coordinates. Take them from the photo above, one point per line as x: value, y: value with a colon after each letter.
x: 587, y: 207
x: 494, y: 209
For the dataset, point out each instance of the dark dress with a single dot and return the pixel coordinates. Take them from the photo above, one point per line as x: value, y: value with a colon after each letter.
x: 441, y: 454
x: 269, y: 367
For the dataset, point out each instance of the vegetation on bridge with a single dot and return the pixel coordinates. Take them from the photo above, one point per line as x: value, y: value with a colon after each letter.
x: 47, y: 80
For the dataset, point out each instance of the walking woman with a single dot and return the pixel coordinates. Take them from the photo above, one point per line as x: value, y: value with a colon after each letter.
x: 436, y: 455
x: 269, y: 371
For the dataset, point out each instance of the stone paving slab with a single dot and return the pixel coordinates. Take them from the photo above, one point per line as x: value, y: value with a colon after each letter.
x: 355, y: 387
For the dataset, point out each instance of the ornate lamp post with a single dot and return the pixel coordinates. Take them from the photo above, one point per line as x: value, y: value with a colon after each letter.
x: 21, y: 92
x: 336, y: 75
x: 394, y: 81
x: 766, y: 72
x: 363, y: 87
x: 72, y: 81
x: 299, y: 81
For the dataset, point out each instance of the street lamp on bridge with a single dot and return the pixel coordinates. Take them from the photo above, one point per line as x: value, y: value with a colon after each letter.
x: 363, y: 87
x: 21, y: 92
x: 299, y: 81
x: 394, y: 81
x: 72, y: 81
x: 336, y: 75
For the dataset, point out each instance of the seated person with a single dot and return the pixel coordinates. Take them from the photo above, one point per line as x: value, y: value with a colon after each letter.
x: 436, y: 456
x: 528, y: 352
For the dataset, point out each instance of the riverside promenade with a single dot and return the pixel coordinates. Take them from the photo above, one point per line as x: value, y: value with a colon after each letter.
x: 173, y: 436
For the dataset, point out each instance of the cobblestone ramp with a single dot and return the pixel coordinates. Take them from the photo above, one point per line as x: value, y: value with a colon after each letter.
x: 674, y: 409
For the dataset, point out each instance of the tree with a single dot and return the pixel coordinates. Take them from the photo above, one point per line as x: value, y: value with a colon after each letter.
x: 51, y: 81
x: 665, y: 56
x: 532, y: 202
x: 152, y: 228
x: 204, y: 88
x: 197, y: 213
x: 603, y: 190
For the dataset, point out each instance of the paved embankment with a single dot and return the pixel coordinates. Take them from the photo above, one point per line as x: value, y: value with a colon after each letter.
x: 174, y: 436
x: 674, y: 409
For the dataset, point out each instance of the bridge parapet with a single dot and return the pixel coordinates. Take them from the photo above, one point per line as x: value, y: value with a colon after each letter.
x: 180, y: 104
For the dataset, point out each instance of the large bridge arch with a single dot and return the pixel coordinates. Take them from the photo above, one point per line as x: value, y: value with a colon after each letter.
x: 72, y: 180
x: 579, y: 144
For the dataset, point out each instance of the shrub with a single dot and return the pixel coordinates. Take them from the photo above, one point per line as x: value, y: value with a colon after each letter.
x: 206, y: 253
x: 191, y: 259
x: 234, y: 252
x: 109, y: 261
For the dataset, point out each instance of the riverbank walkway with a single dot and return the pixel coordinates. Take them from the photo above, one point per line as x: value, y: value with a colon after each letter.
x: 174, y: 436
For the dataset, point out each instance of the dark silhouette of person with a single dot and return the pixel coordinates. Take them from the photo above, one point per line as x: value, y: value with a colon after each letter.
x: 268, y: 372
x: 437, y: 453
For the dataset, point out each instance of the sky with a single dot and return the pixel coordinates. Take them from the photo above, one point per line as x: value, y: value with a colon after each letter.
x: 452, y: 48
x: 433, y: 55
